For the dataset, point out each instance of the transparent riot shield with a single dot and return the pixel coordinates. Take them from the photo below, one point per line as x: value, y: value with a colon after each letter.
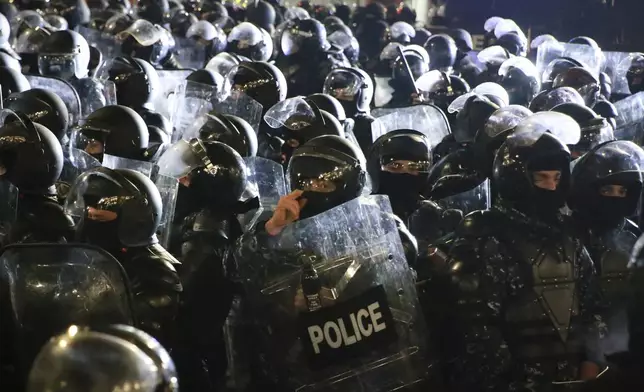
x: 8, y: 208
x: 630, y: 119
x: 96, y: 94
x: 76, y: 162
x: 168, y: 189
x: 241, y: 105
x: 114, y: 162
x: 614, y: 69
x: 108, y: 45
x: 189, y: 54
x: 332, y: 303
x: 591, y: 58
x: 427, y: 119
x: 267, y: 181
x: 191, y: 100
x: 63, y: 89
x: 475, y: 199
x: 49, y: 287
x: 383, y: 91
x: 169, y: 80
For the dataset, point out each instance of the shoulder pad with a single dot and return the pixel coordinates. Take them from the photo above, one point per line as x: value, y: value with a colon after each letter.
x: 479, y: 224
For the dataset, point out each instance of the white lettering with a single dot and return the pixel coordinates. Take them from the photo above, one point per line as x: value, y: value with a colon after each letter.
x: 348, y: 340
x: 354, y: 322
x: 375, y: 316
x: 336, y: 330
x: 315, y: 334
x: 365, y: 331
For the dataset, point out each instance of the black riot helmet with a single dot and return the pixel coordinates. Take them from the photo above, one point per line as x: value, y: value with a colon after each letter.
x: 330, y: 170
x: 605, y: 85
x: 116, y: 130
x: 442, y: 52
x: 153, y: 11
x: 593, y: 195
x: 517, y: 162
x: 181, y: 22
x: 214, y: 173
x: 64, y: 54
x: 117, y: 23
x: 12, y: 81
x: 231, y: 130
x: 595, y: 130
x: 497, y: 128
x: 463, y: 40
x: 31, y: 39
x: 402, y: 32
x: 409, y: 61
x: 582, y: 81
x: 304, y: 37
x: 56, y: 22
x: 472, y: 118
x: 608, y: 111
x: 135, y: 79
x: 31, y: 157
x: 635, y: 74
x: 261, y: 81
x: 583, y: 40
x: 75, y: 12
x: 8, y: 61
x: 547, y: 100
x: 422, y: 35
x: 442, y: 88
x: 296, y: 121
x: 144, y: 40
x: 554, y: 68
x: 330, y: 22
x: 329, y: 104
x: 115, y: 208
x: 43, y: 107
x: 208, y: 37
x: 8, y: 9
x: 215, y: 13
x: 520, y: 78
x: 456, y: 173
x: 323, y: 11
x: 247, y: 40
x: 261, y: 14
x: 352, y: 87
x: 398, y: 164
x: 513, y: 43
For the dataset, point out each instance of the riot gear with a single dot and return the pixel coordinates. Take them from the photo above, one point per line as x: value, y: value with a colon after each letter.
x: 43, y: 107
x: 442, y: 52
x: 608, y: 111
x: 513, y: 43
x: 401, y: 81
x: 442, y: 89
x: 64, y: 54
x: 116, y: 130
x: 472, y: 118
x: 247, y: 40
x: 146, y: 41
x: 520, y: 79
x: 230, y: 130
x: 402, y: 32
x: 76, y: 13
x: 421, y: 37
x: 635, y: 74
x: 595, y: 130
x: 398, y: 164
x: 547, y: 100
x: 135, y: 79
x: 313, y: 169
x: 352, y: 87
x: 12, y: 81
x: 181, y: 22
x: 261, y: 81
x: 582, y: 81
x: 556, y: 67
x: 304, y: 38
x: 88, y: 360
x: 153, y: 11
x: 328, y: 104
x: 261, y: 14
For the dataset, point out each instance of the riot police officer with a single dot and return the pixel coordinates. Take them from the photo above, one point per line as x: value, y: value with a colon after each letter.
x: 519, y: 330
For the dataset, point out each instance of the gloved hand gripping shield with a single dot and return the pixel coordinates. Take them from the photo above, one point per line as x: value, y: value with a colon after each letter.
x: 333, y: 302
x: 266, y: 181
x: 51, y: 286
x: 426, y: 119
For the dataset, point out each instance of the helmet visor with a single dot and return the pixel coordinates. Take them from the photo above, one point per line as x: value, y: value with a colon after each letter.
x: 342, y: 85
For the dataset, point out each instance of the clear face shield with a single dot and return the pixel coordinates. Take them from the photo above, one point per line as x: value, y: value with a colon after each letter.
x: 342, y: 85
x: 61, y: 65
x: 85, y: 203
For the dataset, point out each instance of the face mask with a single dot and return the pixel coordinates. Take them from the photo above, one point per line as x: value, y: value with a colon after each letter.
x: 101, y: 234
x: 318, y: 202
x: 610, y: 211
x: 401, y: 186
x: 547, y: 203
